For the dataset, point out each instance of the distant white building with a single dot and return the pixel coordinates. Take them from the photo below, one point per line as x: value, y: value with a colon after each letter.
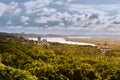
x: 104, y: 49
x: 42, y: 42
x: 38, y: 42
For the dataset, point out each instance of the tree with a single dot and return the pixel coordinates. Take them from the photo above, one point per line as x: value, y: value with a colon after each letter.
x: 8, y: 73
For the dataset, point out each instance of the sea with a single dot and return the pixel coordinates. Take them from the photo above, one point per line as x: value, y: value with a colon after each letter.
x: 62, y: 40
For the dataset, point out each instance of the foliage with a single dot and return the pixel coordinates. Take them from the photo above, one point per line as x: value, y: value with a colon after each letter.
x: 8, y: 73
x: 56, y: 62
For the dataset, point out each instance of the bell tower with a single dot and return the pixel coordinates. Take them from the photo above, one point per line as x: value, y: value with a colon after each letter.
x: 39, y: 40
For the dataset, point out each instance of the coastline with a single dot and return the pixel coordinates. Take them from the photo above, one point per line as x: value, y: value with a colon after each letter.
x: 63, y: 40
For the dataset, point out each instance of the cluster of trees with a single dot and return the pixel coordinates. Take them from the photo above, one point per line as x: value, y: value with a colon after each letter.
x: 56, y: 62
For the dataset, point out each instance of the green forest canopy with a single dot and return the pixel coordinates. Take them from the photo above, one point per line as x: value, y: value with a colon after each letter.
x: 56, y: 61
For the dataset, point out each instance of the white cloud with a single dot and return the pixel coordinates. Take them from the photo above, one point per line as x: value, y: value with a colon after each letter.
x: 3, y: 8
x: 55, y: 27
x: 107, y: 7
x: 41, y: 20
x: 53, y: 18
x: 36, y: 4
x: 9, y: 22
x: 14, y: 27
x: 13, y: 5
x: 45, y: 11
x: 33, y: 28
x: 17, y: 11
x: 65, y: 14
x: 70, y: 0
x: 25, y: 23
x: 92, y: 17
x: 60, y: 15
x: 59, y: 3
x: 13, y: 8
x: 61, y: 24
x: 56, y: 16
x: 24, y: 18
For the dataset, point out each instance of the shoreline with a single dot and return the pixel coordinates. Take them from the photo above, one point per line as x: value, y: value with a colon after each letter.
x: 63, y: 40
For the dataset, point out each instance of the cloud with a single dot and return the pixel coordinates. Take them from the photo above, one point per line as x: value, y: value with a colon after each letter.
x: 17, y: 11
x: 24, y: 18
x: 13, y: 5
x: 26, y: 23
x: 61, y: 24
x: 33, y: 28
x: 55, y: 17
x: 45, y: 11
x: 115, y: 22
x: 14, y: 27
x: 3, y: 8
x: 13, y: 8
x: 60, y: 3
x: 70, y: 0
x: 9, y: 22
x: 41, y: 20
x: 34, y: 5
x: 60, y: 14
x: 94, y: 16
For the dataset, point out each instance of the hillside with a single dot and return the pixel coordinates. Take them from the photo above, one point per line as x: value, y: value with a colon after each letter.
x: 55, y: 61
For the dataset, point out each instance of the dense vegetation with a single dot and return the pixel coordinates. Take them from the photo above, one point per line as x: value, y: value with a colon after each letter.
x: 55, y: 62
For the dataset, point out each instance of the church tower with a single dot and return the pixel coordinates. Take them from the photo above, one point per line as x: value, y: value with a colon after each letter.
x: 39, y: 40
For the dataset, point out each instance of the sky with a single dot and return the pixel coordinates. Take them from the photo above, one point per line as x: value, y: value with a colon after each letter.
x: 60, y: 16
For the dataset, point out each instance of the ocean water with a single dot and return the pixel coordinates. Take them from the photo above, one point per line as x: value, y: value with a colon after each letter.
x: 63, y: 41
